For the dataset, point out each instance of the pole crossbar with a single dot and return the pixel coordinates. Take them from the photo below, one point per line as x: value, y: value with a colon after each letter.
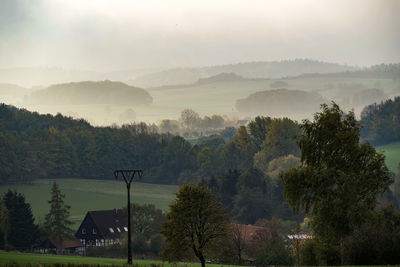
x: 128, y: 176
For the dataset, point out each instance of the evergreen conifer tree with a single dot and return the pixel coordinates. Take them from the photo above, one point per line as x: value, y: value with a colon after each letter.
x: 4, y: 225
x: 22, y: 232
x: 57, y: 223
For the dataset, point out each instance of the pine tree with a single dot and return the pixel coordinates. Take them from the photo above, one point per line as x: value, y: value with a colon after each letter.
x: 4, y: 224
x: 57, y: 225
x: 22, y: 232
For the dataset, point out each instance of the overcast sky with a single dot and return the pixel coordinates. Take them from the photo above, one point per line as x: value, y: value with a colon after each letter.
x: 108, y: 35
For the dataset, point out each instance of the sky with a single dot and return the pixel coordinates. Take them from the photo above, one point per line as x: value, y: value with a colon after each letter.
x: 105, y: 35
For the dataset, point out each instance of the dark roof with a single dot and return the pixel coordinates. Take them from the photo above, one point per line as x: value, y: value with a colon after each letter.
x: 109, y: 219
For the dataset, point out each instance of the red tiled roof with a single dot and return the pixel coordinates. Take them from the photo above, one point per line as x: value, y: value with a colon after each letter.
x: 251, y: 233
x: 71, y: 243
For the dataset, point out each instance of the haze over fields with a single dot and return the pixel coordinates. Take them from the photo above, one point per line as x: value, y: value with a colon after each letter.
x: 210, y: 56
x: 249, y: 132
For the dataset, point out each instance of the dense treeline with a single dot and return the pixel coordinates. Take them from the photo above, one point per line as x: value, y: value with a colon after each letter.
x: 381, y: 122
x: 241, y: 167
x: 35, y: 146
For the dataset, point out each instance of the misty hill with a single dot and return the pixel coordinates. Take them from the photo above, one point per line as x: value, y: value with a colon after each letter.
x: 45, y: 76
x: 11, y: 93
x: 381, y: 71
x: 11, y: 90
x: 222, y: 77
x: 105, y: 92
x: 280, y: 102
x: 275, y: 69
x: 29, y: 77
x: 220, y: 97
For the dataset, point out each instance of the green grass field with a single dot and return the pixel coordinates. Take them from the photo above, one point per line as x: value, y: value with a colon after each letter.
x: 39, y: 259
x: 84, y: 195
x: 36, y: 259
x: 392, y: 153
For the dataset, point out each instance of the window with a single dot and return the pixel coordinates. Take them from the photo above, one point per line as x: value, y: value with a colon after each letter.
x: 83, y: 231
x: 118, y: 229
x: 111, y: 230
x: 94, y: 231
x: 126, y: 229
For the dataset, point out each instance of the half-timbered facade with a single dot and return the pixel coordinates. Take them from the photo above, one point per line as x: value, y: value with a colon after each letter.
x: 102, y: 228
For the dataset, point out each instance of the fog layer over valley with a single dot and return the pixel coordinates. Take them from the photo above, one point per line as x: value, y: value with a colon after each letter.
x: 231, y: 94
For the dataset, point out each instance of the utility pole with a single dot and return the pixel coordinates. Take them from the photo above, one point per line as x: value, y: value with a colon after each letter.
x: 128, y: 176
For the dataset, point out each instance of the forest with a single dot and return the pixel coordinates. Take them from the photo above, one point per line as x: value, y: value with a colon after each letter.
x: 381, y: 122
x: 242, y: 166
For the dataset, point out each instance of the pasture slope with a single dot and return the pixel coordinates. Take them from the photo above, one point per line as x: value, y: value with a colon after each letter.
x: 392, y: 153
x: 88, y: 194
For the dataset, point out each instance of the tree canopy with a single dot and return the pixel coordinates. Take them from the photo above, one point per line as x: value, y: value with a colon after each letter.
x: 195, y: 222
x: 339, y: 178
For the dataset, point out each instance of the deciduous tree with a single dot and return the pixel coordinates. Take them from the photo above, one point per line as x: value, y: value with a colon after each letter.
x: 339, y: 178
x: 195, y: 222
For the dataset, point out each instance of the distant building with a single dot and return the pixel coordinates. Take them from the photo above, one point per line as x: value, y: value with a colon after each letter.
x: 299, y: 236
x: 69, y: 246
x: 250, y: 233
x: 102, y: 228
x: 242, y: 122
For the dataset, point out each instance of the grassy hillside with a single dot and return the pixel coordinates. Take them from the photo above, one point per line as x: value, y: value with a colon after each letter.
x: 392, y: 153
x: 84, y: 195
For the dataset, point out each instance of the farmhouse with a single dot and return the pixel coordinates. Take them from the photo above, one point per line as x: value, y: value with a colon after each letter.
x: 250, y: 233
x: 70, y: 246
x: 102, y: 228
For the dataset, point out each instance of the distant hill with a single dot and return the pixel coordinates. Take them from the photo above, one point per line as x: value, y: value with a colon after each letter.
x: 275, y: 69
x: 222, y: 77
x: 11, y: 89
x: 11, y: 93
x: 29, y: 77
x: 279, y: 102
x: 104, y: 92
x: 45, y: 76
x: 381, y: 71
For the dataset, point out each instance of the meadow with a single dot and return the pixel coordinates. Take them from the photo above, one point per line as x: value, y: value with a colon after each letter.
x: 17, y: 259
x: 86, y: 194
x: 392, y: 153
x: 39, y: 259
